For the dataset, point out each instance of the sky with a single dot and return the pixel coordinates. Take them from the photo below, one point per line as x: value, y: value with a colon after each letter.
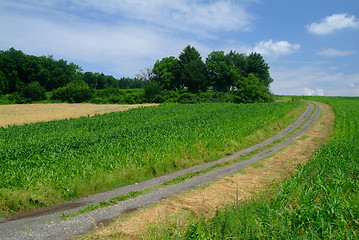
x: 311, y: 46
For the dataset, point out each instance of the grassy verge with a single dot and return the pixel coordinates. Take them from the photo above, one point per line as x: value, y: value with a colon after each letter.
x: 46, y: 163
x: 319, y: 202
x: 283, y: 123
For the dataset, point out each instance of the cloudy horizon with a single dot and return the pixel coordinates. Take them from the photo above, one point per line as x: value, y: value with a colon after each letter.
x: 310, y: 46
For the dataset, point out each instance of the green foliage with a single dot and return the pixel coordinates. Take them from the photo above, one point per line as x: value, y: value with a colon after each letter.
x: 152, y: 89
x: 221, y: 71
x: 118, y: 96
x: 102, y: 81
x: 20, y: 69
x: 251, y: 90
x: 192, y: 70
x: 165, y: 73
x: 183, y: 96
x: 14, y: 98
x: 296, y: 98
x: 321, y: 201
x: 73, y: 92
x: 239, y: 60
x: 256, y: 65
x: 33, y: 92
x: 55, y: 161
x: 27, y: 74
x: 2, y: 83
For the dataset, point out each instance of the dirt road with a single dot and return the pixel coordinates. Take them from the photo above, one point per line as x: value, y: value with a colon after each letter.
x: 47, y: 223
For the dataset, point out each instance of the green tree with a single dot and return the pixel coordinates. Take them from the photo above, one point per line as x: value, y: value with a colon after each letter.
x: 73, y: 92
x: 2, y: 83
x: 91, y: 79
x: 192, y: 70
x: 256, y: 65
x: 152, y: 88
x: 239, y: 60
x: 221, y: 71
x: 251, y: 90
x: 165, y: 72
x: 33, y: 92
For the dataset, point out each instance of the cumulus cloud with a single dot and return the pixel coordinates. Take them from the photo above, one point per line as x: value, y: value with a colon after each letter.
x: 123, y: 36
x: 310, y: 77
x: 123, y: 48
x: 331, y: 52
x: 200, y: 16
x: 314, y: 92
x: 333, y: 23
x: 309, y: 92
x: 271, y: 48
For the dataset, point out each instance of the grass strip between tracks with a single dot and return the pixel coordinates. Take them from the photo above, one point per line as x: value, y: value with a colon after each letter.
x: 184, y: 177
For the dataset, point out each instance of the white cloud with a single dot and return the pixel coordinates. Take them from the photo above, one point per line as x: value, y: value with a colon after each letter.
x: 199, y: 17
x: 320, y: 92
x: 313, y: 79
x: 331, y: 52
x: 120, y: 37
x: 309, y: 92
x: 270, y: 48
x: 312, y: 92
x: 187, y: 15
x: 334, y: 22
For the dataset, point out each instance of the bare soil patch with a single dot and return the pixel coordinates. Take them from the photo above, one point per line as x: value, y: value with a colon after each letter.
x: 205, y: 200
x: 18, y: 114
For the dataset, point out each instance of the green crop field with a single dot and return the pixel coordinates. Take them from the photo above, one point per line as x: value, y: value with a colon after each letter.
x: 50, y: 162
x: 321, y: 201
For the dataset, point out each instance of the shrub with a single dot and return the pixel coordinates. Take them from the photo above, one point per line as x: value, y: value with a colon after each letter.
x: 251, y: 90
x: 152, y: 88
x: 73, y: 92
x: 33, y: 92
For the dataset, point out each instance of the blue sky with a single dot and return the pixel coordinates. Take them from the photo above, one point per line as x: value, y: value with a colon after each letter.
x: 311, y: 46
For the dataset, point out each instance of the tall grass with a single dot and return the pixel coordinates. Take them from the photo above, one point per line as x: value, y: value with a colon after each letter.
x: 50, y: 162
x: 321, y: 201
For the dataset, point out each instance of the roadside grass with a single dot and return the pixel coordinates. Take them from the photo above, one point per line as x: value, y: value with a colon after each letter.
x: 320, y: 201
x: 292, y: 116
x: 47, y: 163
x: 171, y: 218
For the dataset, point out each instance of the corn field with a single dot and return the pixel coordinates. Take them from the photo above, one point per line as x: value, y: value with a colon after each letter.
x: 50, y: 162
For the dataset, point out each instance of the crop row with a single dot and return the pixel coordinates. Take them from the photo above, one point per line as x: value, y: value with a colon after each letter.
x: 48, y: 162
x: 321, y: 201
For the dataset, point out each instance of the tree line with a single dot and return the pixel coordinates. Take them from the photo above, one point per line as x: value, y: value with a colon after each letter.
x: 221, y: 77
x: 27, y: 78
x: 245, y: 77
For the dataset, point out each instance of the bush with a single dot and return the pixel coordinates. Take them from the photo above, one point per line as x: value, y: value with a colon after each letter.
x: 118, y: 96
x: 14, y: 98
x: 188, y: 97
x: 152, y: 88
x: 73, y: 92
x: 33, y: 92
x: 251, y: 90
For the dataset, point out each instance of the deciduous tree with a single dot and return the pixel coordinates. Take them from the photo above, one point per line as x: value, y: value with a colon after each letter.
x: 256, y: 65
x: 222, y: 73
x: 165, y: 72
x: 251, y: 90
x: 192, y: 70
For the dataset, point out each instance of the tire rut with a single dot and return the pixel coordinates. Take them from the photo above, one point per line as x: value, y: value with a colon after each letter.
x: 46, y: 223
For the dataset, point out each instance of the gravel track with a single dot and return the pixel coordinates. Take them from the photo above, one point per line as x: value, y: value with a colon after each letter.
x: 46, y: 223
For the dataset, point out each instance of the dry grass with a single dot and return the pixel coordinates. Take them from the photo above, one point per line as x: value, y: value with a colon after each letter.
x: 204, y: 201
x: 18, y: 114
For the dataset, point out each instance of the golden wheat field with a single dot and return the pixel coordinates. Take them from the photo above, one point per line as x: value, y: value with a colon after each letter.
x: 17, y: 114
